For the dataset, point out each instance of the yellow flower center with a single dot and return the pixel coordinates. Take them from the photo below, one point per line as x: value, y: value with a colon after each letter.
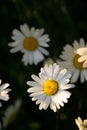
x: 50, y: 87
x: 30, y: 43
x: 78, y: 65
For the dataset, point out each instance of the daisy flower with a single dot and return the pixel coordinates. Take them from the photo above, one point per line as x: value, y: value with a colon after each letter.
x: 49, y: 89
x: 11, y: 112
x: 83, y: 56
x: 69, y: 60
x: 4, y: 92
x: 50, y: 60
x: 31, y: 42
x: 82, y: 125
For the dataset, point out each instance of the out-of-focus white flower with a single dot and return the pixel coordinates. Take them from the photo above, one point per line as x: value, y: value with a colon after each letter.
x: 49, y: 89
x: 83, y: 56
x: 10, y: 113
x: 4, y: 92
x: 82, y: 125
x: 50, y: 60
x: 69, y: 60
x: 31, y: 42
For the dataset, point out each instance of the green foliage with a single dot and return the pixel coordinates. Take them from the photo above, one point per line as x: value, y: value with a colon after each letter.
x: 65, y: 21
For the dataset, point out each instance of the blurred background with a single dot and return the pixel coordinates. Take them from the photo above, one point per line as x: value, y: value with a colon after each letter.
x: 64, y: 21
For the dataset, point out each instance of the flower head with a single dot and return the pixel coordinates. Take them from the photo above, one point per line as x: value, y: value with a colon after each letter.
x: 4, y: 92
x: 31, y: 43
x: 49, y: 89
x: 11, y: 112
x: 82, y: 125
x: 50, y: 60
x: 70, y: 61
x: 83, y: 56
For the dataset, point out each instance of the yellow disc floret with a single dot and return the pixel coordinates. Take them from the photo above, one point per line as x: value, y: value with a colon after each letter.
x: 50, y: 87
x: 30, y: 43
x: 78, y: 65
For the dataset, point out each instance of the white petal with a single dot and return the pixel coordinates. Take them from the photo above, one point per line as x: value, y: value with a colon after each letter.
x: 17, y: 33
x: 44, y: 51
x: 85, y: 74
x: 53, y: 107
x: 46, y: 70
x: 63, y: 87
x: 16, y: 43
x: 46, y: 102
x: 0, y: 81
x: 56, y: 71
x: 82, y: 58
x: 4, y: 86
x: 82, y: 78
x: 75, y: 76
x: 38, y: 57
x: 44, y: 38
x: 36, y: 93
x: 50, y: 71
x: 34, y: 89
x: 75, y: 44
x: 66, y: 93
x: 5, y: 91
x: 38, y: 33
x: 43, y: 74
x: 4, y: 97
x: 85, y: 64
x: 82, y: 42
x: 41, y: 105
x: 43, y: 44
x: 32, y: 31
x: 57, y: 99
x: 62, y: 97
x: 39, y: 97
x: 81, y: 51
x: 61, y: 74
x: 17, y: 38
x: 16, y: 49
x: 37, y: 79
x: 32, y: 83
x: 25, y: 29
x: 28, y: 58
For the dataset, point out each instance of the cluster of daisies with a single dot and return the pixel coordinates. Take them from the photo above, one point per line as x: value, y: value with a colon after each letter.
x: 49, y: 88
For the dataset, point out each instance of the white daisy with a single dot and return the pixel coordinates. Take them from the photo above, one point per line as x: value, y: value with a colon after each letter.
x: 4, y: 92
x: 49, y: 89
x: 83, y: 56
x: 31, y: 42
x: 50, y: 60
x: 70, y: 61
x: 10, y: 113
x: 82, y: 125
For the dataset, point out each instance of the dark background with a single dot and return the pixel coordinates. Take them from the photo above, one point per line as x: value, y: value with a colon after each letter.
x: 64, y: 21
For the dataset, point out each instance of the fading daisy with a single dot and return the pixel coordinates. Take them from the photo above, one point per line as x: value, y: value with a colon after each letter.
x: 11, y: 113
x: 31, y: 42
x: 50, y: 60
x: 4, y: 92
x: 49, y: 89
x: 69, y: 60
x: 83, y: 56
x: 82, y: 125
